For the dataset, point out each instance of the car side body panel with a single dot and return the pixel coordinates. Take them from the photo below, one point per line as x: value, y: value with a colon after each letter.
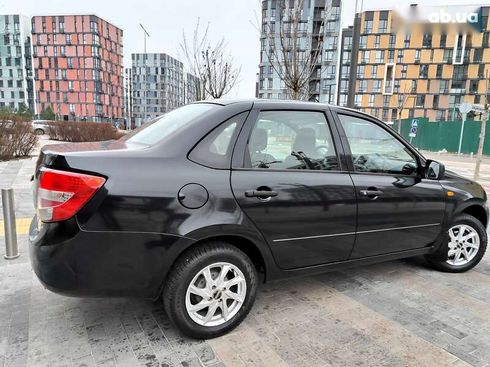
x: 125, y: 240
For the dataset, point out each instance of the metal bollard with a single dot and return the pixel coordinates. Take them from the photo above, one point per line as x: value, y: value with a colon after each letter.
x: 11, y: 248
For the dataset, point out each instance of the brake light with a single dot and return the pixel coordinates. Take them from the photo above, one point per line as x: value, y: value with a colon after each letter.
x: 61, y: 194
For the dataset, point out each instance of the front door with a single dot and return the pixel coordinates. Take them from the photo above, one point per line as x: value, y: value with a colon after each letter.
x: 398, y: 209
x: 293, y: 189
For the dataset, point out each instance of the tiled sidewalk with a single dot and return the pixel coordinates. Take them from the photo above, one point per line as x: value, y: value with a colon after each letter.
x: 392, y: 314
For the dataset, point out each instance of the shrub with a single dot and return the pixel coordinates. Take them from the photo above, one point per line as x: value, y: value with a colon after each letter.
x: 81, y: 131
x: 16, y: 138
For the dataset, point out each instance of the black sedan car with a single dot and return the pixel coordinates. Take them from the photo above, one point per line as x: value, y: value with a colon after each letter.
x: 204, y: 203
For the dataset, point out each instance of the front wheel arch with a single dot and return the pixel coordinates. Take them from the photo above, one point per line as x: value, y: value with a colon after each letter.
x: 478, y: 212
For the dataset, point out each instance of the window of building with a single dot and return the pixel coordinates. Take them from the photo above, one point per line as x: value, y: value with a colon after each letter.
x: 392, y: 42
x: 477, y: 55
x: 424, y: 71
x: 474, y: 86
x: 435, y: 101
x: 363, y: 41
x: 361, y: 69
x: 440, y: 115
x: 358, y: 100
x: 380, y: 55
x: 439, y: 71
x: 404, y: 71
x: 414, y: 86
x: 444, y: 87
x: 363, y: 86
x: 371, y: 100
x: 329, y: 55
x: 374, y: 71
x: 368, y: 26
x: 365, y: 56
x: 391, y: 55
x: 443, y: 40
x: 389, y: 79
x: 406, y: 41
x: 448, y: 56
x: 420, y: 100
x: 417, y: 56
x: 383, y: 26
x: 427, y: 40
x: 377, y: 41
x: 486, y: 37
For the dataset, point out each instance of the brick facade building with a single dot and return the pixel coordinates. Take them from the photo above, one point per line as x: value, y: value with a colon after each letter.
x: 78, y: 63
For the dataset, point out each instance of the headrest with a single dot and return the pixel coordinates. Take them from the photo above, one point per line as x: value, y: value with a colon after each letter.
x: 258, y: 140
x: 305, y: 140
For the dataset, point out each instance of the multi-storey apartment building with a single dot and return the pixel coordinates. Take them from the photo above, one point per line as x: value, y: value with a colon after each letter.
x: 16, y: 86
x: 191, y: 88
x: 345, y: 66
x: 419, y: 68
x: 157, y: 85
x: 318, y: 30
x: 128, y: 98
x: 78, y: 67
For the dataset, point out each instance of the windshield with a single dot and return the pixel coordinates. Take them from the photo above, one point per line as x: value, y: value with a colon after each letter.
x: 162, y: 127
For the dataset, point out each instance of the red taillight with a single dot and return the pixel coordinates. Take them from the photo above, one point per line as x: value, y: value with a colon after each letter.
x: 60, y: 194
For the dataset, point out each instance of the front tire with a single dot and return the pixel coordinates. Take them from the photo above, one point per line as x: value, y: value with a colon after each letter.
x: 210, y: 290
x: 463, y: 246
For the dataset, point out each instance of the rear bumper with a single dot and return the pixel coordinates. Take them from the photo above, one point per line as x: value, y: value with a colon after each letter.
x: 70, y: 261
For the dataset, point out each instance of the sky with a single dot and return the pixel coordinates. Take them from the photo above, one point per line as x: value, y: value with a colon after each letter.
x: 166, y: 20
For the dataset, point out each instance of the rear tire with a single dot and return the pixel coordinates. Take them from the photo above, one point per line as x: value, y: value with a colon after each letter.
x: 460, y: 253
x: 210, y: 290
x: 39, y: 132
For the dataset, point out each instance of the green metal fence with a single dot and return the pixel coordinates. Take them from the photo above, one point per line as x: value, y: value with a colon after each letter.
x: 437, y: 136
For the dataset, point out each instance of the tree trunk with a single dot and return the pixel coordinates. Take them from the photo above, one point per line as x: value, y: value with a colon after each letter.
x: 481, y: 144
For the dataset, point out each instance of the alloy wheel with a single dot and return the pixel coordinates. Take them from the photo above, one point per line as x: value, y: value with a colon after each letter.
x: 463, y: 246
x: 216, y: 294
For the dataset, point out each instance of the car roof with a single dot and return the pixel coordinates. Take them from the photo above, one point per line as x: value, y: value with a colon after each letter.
x: 267, y: 103
x: 287, y: 104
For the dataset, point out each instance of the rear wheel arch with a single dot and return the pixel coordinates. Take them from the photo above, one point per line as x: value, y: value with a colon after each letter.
x: 244, y: 244
x: 260, y: 259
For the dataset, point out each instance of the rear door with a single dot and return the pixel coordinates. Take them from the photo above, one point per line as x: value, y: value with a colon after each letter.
x: 398, y: 209
x: 288, y: 179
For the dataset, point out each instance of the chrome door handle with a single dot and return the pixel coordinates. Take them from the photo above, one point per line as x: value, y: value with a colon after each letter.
x: 261, y: 194
x: 371, y: 193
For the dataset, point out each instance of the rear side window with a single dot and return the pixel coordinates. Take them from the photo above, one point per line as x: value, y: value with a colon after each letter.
x: 216, y: 148
x: 164, y: 126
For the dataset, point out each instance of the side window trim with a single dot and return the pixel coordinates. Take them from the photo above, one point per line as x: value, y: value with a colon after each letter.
x: 347, y: 148
x: 239, y: 161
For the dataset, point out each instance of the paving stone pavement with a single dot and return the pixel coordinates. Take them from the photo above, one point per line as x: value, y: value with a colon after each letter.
x: 399, y: 313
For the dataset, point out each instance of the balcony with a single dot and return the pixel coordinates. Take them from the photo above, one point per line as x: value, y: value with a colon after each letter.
x: 457, y: 91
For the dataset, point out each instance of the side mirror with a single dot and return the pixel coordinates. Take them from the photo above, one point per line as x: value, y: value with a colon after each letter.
x: 434, y: 170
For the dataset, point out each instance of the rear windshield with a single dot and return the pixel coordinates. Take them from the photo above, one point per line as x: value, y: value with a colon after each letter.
x: 162, y: 127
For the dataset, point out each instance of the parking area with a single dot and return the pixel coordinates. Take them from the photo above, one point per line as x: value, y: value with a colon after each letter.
x: 398, y: 313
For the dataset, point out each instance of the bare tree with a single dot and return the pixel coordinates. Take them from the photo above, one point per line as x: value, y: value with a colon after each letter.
x: 402, y: 101
x: 483, y: 131
x: 294, y: 56
x: 211, y: 63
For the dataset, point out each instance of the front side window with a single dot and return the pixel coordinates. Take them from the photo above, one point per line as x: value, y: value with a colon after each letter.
x: 375, y: 150
x: 292, y: 140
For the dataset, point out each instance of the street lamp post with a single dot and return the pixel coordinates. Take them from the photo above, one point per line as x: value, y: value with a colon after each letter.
x: 464, y: 108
